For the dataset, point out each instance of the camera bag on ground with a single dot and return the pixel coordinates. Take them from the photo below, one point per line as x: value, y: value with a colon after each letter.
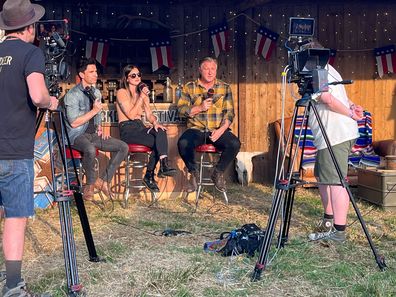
x: 246, y: 239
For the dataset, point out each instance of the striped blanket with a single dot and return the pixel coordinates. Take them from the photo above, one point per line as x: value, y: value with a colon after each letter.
x: 362, y: 153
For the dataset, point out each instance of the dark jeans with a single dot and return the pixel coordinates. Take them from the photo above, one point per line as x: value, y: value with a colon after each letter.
x: 88, y: 143
x: 135, y: 132
x: 228, y: 144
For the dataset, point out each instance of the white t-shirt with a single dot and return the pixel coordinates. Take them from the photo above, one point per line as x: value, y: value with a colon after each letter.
x: 339, y: 128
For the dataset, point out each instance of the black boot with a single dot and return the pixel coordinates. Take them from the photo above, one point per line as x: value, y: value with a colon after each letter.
x: 165, y: 170
x: 149, y: 181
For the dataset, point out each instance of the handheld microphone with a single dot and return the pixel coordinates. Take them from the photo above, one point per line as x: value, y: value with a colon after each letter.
x: 341, y: 82
x: 210, y: 93
x: 89, y: 91
x: 140, y: 88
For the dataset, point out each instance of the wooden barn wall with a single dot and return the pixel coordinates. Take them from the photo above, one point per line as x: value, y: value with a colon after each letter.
x: 354, y: 28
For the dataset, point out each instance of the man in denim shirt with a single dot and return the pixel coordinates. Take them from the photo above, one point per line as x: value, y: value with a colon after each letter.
x: 83, y: 105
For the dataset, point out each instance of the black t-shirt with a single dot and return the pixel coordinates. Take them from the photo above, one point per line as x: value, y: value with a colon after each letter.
x: 18, y: 60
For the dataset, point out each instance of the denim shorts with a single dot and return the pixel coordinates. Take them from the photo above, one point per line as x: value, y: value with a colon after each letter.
x: 16, y: 188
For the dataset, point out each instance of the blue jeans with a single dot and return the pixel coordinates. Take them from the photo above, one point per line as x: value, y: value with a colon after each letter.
x: 16, y: 188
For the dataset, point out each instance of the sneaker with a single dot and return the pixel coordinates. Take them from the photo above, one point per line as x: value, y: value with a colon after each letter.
x: 332, y: 235
x: 20, y: 291
x: 325, y: 225
x: 218, y: 180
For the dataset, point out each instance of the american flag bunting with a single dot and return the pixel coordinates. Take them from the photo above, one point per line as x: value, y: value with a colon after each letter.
x: 219, y: 34
x: 332, y: 56
x: 386, y: 59
x: 266, y: 42
x: 161, y: 54
x: 97, y: 49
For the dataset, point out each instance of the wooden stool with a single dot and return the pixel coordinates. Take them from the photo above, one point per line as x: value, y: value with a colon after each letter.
x: 132, y: 163
x: 206, y: 162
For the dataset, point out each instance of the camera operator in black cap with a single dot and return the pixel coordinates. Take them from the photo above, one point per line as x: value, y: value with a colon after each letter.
x: 23, y: 89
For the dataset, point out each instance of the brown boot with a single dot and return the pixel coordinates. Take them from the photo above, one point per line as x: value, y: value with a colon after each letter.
x: 88, y: 192
x: 218, y: 180
x: 103, y: 186
x: 192, y: 185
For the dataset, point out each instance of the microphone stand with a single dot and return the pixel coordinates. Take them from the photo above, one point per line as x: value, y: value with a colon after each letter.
x: 206, y: 135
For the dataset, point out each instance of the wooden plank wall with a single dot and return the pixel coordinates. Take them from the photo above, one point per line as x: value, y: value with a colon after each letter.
x: 354, y: 28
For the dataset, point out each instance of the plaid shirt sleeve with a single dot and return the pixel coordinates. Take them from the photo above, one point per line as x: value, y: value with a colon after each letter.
x: 184, y: 104
x: 228, y: 105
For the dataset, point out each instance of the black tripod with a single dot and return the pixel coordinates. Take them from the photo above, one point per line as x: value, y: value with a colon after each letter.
x: 63, y: 197
x: 287, y: 183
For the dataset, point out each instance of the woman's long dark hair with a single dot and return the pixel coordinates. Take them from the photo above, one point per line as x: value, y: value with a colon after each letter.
x: 124, y: 79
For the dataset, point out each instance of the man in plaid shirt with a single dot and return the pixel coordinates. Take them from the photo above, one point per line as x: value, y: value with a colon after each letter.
x: 208, y: 105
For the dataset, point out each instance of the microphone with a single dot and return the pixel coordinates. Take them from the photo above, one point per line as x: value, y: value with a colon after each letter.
x: 210, y: 93
x: 140, y: 88
x: 341, y: 82
x: 58, y: 39
x: 89, y: 91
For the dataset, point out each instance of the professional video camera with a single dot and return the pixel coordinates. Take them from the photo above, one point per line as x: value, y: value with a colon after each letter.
x: 53, y: 37
x: 306, y: 65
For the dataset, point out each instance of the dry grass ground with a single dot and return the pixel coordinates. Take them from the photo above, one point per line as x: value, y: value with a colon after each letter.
x: 141, y: 262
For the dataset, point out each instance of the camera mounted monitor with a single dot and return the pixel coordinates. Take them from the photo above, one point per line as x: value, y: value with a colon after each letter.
x: 301, y: 27
x: 52, y: 28
x: 310, y: 59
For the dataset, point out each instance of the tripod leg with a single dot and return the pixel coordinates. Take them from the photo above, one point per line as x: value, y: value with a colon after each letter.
x: 69, y: 248
x: 284, y: 188
x: 288, y: 206
x: 78, y: 198
x: 269, y: 233
x: 379, y: 259
x: 63, y: 200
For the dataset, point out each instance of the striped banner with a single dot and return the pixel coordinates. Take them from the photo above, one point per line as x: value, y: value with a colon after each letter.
x: 161, y: 54
x: 386, y: 59
x: 219, y: 36
x: 97, y: 49
x: 266, y: 42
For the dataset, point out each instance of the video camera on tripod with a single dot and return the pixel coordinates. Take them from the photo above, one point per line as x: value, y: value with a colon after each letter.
x: 307, y: 69
x: 307, y: 65
x: 54, y: 40
x: 53, y: 37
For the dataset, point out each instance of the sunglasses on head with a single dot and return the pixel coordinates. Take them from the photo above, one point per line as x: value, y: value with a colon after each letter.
x: 133, y: 75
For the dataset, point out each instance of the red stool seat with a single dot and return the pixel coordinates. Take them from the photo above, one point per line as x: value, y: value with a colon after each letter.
x: 138, y: 148
x: 76, y: 154
x: 206, y: 148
